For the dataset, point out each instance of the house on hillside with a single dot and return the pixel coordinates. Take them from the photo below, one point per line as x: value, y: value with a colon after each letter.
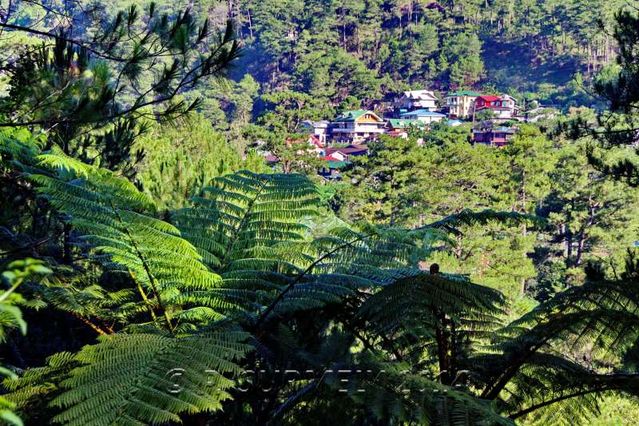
x: 498, y: 137
x: 508, y: 101
x: 316, y: 128
x: 423, y: 115
x: 356, y: 126
x: 344, y: 153
x: 539, y: 113
x: 398, y: 127
x: 504, y: 107
x: 332, y: 170
x: 460, y: 104
x: 337, y: 159
x: 416, y: 99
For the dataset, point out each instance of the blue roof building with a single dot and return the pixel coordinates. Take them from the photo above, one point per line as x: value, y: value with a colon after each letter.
x: 423, y: 115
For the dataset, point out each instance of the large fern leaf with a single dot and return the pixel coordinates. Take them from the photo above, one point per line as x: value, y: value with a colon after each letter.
x: 255, y: 230
x: 150, y: 379
x: 241, y: 214
x: 119, y: 223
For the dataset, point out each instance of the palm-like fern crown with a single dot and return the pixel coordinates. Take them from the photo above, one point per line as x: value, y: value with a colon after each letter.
x: 241, y: 216
x: 253, y: 229
x: 411, y: 308
x: 119, y: 222
x: 248, y: 245
x: 122, y: 379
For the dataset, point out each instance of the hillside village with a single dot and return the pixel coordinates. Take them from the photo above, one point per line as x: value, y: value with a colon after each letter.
x: 494, y: 121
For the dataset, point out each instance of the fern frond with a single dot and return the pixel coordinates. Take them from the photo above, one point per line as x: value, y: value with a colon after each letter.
x: 409, y: 310
x: 19, y: 147
x: 245, y: 210
x: 150, y: 379
x: 33, y: 390
x: 255, y: 230
x: 118, y: 221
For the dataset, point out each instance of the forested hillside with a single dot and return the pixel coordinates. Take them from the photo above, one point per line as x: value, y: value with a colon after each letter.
x: 373, y: 47
x: 348, y: 53
x: 184, y: 241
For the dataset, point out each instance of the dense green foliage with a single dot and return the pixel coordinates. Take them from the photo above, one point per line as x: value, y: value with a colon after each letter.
x: 589, y: 216
x: 11, y: 318
x: 352, y: 53
x: 183, y: 157
x: 167, y: 275
x: 320, y: 47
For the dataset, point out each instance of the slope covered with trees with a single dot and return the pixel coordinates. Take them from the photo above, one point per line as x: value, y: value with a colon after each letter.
x: 164, y: 274
x: 346, y: 54
x: 323, y: 47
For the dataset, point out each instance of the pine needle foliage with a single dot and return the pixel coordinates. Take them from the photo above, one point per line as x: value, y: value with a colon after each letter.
x: 89, y: 80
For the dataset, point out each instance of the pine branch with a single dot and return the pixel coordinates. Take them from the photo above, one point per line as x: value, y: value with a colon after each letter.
x: 61, y: 37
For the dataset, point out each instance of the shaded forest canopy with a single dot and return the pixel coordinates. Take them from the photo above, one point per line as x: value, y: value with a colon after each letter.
x: 156, y: 269
x: 346, y: 52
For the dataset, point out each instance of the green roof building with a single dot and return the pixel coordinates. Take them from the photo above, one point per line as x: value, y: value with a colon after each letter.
x: 460, y: 103
x: 356, y: 126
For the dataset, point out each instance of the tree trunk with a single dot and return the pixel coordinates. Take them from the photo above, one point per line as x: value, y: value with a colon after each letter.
x: 441, y: 336
x: 66, y: 245
x: 580, y: 248
x: 250, y: 23
x: 568, y: 240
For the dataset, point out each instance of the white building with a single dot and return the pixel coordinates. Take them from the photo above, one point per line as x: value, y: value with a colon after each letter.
x: 317, y: 128
x: 416, y: 99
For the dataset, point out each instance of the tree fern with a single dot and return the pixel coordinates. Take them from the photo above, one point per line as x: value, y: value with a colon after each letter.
x: 162, y: 271
x: 253, y: 229
x: 11, y: 317
x: 333, y: 296
x: 119, y: 223
x: 410, y: 311
x: 531, y: 367
x: 149, y: 378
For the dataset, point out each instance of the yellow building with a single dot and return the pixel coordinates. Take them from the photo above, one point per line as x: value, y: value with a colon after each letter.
x: 357, y: 126
x: 460, y: 103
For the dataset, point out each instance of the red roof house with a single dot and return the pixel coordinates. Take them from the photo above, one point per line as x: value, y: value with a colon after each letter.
x: 504, y: 106
x: 487, y: 101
